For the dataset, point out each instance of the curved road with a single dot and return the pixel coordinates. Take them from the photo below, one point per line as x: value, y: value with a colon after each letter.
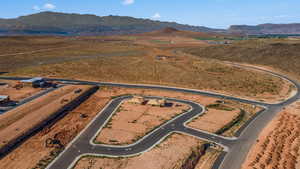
x: 235, y: 149
x: 83, y: 144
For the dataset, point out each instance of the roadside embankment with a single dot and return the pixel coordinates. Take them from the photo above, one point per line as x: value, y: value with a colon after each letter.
x: 21, y: 123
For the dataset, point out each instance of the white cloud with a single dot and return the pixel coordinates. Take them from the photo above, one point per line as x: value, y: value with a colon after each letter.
x: 35, y: 7
x: 128, y: 2
x: 49, y: 6
x: 282, y: 16
x: 156, y: 16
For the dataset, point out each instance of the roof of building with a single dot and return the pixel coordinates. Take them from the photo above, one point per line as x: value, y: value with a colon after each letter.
x: 156, y: 101
x: 137, y: 99
x: 32, y: 80
x: 2, y: 97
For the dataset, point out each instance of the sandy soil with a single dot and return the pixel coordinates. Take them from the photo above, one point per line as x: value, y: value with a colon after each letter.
x: 16, y: 122
x: 214, y: 120
x: 17, y: 94
x: 27, y: 155
x: 133, y: 121
x: 278, y: 144
x: 250, y: 111
x: 169, y: 41
x: 169, y: 154
x: 207, y: 161
x: 287, y: 90
x: 211, y: 121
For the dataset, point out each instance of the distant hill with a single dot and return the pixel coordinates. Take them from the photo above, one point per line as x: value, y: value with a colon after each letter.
x: 76, y: 24
x: 169, y: 31
x: 266, y: 29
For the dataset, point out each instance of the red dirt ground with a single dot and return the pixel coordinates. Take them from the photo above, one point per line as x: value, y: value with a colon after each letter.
x: 17, y: 94
x: 169, y: 154
x: 278, y: 145
x: 28, y: 154
x: 33, y: 150
x: 133, y: 121
x: 21, y: 119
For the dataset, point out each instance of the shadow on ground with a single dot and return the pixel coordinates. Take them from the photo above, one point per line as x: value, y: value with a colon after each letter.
x: 1, y: 73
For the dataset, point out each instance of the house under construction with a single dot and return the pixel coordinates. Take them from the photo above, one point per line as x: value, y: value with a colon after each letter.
x: 157, y: 102
x: 4, y: 99
x: 137, y: 100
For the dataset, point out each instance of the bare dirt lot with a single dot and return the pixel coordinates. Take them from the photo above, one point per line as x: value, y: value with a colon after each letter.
x: 133, y: 121
x: 215, y: 117
x: 33, y: 153
x: 218, y: 116
x: 172, y: 153
x: 16, y: 94
x: 207, y: 160
x: 21, y: 119
x: 278, y: 144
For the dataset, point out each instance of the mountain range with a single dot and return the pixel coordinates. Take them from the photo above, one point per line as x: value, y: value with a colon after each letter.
x: 76, y: 24
x: 54, y: 23
x: 266, y: 29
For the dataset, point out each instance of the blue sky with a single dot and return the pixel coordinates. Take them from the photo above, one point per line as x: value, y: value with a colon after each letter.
x: 211, y: 13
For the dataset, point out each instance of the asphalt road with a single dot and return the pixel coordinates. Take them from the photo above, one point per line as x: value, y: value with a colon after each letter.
x: 83, y: 145
x: 29, y: 99
x: 235, y: 150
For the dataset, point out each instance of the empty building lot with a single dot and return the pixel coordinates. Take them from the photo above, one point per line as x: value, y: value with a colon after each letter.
x: 19, y: 121
x: 219, y: 112
x: 132, y: 121
x: 174, y: 152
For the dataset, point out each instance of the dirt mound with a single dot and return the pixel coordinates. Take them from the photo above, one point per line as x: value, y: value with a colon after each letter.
x: 279, y: 146
x: 169, y: 30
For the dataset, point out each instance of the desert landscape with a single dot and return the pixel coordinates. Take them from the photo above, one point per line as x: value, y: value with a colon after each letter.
x: 89, y: 91
x: 278, y: 144
x: 132, y: 121
x: 97, y: 101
